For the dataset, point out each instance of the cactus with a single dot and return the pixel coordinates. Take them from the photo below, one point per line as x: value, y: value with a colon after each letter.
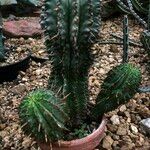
x: 42, y: 115
x: 120, y: 85
x: 145, y: 36
x: 2, y: 50
x: 71, y: 27
x: 136, y: 8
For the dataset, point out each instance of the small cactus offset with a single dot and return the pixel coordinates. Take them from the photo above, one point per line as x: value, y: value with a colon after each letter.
x: 42, y: 116
x: 71, y: 27
x: 120, y: 85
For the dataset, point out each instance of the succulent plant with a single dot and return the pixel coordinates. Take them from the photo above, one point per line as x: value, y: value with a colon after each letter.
x: 71, y: 27
x: 145, y: 36
x: 42, y: 115
x: 120, y: 85
x: 2, y: 50
x: 138, y: 8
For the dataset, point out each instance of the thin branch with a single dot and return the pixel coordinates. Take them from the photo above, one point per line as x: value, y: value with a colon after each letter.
x: 131, y: 42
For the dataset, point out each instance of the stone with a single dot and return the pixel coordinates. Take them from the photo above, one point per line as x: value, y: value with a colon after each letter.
x: 26, y: 143
x: 145, y: 125
x: 123, y: 108
x: 107, y: 142
x: 122, y: 130
x: 19, y: 89
x: 22, y: 28
x: 134, y: 129
x: 115, y: 120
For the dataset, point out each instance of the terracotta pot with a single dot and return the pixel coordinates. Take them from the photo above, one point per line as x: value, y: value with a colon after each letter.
x: 87, y: 143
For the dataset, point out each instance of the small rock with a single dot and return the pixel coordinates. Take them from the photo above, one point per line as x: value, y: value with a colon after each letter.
x: 107, y: 142
x: 22, y: 28
x: 102, y: 71
x: 122, y: 130
x: 112, y: 128
x: 26, y: 143
x: 123, y: 108
x: 21, y: 88
x: 2, y: 126
x: 38, y: 71
x: 145, y: 124
x: 134, y: 129
x: 115, y: 120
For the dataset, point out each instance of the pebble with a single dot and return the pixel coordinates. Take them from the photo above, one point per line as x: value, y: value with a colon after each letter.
x: 123, y: 108
x: 122, y: 130
x: 134, y: 129
x: 115, y: 120
x: 19, y: 89
x: 145, y: 124
x: 26, y: 143
x: 107, y: 142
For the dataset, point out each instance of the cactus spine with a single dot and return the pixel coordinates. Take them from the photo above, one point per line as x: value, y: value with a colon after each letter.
x: 71, y: 27
x: 42, y: 115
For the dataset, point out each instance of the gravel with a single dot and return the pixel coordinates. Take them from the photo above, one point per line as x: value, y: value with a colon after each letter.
x: 125, y: 133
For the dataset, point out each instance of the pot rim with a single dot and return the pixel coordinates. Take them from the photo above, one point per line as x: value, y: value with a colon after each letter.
x: 94, y: 135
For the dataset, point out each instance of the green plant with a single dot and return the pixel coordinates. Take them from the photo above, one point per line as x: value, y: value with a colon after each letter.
x: 71, y: 27
x: 120, y: 85
x: 137, y: 8
x: 145, y: 36
x: 2, y: 50
x: 42, y: 115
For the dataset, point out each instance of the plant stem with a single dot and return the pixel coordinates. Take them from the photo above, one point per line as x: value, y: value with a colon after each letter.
x: 125, y: 39
x: 131, y: 42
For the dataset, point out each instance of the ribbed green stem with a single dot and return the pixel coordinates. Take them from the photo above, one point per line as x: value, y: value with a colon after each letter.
x: 2, y: 50
x: 125, y: 39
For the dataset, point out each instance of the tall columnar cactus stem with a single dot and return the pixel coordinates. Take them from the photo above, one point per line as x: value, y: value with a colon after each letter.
x: 71, y: 27
x: 120, y: 85
x: 125, y: 39
x: 2, y: 52
x: 42, y: 116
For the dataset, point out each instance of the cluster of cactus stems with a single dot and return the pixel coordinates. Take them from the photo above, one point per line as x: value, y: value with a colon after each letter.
x: 71, y: 27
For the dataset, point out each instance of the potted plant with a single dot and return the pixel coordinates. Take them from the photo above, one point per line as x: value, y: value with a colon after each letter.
x: 10, y: 62
x: 62, y: 116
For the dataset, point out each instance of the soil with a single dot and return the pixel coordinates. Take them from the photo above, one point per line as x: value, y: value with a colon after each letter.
x: 126, y: 133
